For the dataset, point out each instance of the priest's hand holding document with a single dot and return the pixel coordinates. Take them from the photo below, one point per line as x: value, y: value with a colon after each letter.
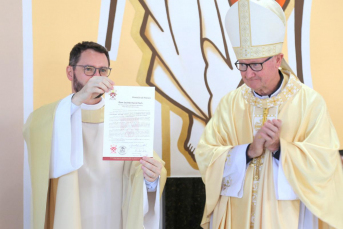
x: 97, y: 85
x: 151, y: 168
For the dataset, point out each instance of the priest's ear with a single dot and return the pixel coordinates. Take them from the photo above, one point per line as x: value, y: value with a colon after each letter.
x: 70, y: 72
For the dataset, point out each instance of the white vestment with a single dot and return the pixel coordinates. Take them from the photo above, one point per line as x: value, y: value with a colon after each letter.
x: 78, y: 146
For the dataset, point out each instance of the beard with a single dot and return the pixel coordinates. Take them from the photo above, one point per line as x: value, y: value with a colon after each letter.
x: 77, y: 85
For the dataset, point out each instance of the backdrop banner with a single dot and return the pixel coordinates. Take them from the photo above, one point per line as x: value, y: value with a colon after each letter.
x: 181, y: 48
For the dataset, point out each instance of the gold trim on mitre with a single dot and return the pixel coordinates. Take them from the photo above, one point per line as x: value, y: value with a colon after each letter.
x: 246, y: 50
x: 261, y: 51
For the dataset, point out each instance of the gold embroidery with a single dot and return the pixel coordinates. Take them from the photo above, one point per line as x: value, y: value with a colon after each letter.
x: 292, y: 87
x: 274, y: 102
x: 244, y: 23
x: 228, y: 159
x: 257, y: 162
x: 262, y: 116
x: 252, y: 52
x: 289, y: 91
x: 265, y: 115
x: 253, y: 203
x: 226, y: 182
x: 258, y: 125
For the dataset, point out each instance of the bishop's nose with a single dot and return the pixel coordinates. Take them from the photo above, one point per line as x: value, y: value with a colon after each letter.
x: 249, y: 73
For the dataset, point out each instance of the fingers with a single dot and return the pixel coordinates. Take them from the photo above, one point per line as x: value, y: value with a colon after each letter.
x: 272, y: 128
x: 151, y: 168
x: 101, y: 82
x: 98, y: 85
x: 273, y: 125
x: 269, y: 125
x: 259, y: 140
x: 257, y: 146
x: 95, y: 86
x: 271, y: 134
x: 277, y: 122
x: 108, y: 83
x: 266, y: 137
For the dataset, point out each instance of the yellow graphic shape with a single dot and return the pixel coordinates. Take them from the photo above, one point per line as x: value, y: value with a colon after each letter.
x: 326, y: 57
x: 57, y: 27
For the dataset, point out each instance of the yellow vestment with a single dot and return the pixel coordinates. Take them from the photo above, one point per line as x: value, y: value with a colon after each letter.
x: 309, y: 157
x: 55, y: 202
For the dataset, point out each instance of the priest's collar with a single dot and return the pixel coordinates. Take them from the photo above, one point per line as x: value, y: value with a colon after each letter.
x: 93, y: 107
x: 93, y: 113
x: 274, y: 93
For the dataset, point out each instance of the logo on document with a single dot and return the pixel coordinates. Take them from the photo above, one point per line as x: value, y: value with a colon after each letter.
x: 113, y: 148
x: 122, y: 150
x: 113, y: 94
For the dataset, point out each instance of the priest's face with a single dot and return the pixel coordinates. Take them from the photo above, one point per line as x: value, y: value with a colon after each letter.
x: 263, y: 82
x: 91, y: 58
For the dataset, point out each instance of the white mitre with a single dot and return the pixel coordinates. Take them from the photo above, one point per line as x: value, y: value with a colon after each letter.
x: 256, y: 28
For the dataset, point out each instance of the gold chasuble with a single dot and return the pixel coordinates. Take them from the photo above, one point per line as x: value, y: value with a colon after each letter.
x: 56, y: 202
x: 309, y: 158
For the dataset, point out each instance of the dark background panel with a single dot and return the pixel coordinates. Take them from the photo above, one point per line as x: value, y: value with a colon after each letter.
x: 184, y: 201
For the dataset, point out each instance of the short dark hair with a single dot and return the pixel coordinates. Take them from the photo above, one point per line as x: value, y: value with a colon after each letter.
x: 75, y: 53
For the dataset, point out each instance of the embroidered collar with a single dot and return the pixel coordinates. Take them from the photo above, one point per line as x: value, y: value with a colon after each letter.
x: 287, y: 91
x: 275, y: 93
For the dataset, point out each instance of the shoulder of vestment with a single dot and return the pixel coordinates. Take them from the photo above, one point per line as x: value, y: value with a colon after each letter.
x: 310, y: 96
x: 41, y: 115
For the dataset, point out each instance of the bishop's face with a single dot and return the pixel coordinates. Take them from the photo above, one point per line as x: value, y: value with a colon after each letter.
x: 91, y: 58
x: 263, y: 82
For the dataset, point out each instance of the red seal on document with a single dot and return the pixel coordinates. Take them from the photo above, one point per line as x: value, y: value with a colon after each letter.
x: 113, y: 149
x: 113, y: 94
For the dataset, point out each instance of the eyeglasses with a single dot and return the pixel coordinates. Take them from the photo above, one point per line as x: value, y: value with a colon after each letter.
x: 90, y: 70
x: 254, y: 66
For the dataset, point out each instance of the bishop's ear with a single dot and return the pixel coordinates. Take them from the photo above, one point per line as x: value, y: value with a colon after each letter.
x: 279, y: 58
x: 70, y: 72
